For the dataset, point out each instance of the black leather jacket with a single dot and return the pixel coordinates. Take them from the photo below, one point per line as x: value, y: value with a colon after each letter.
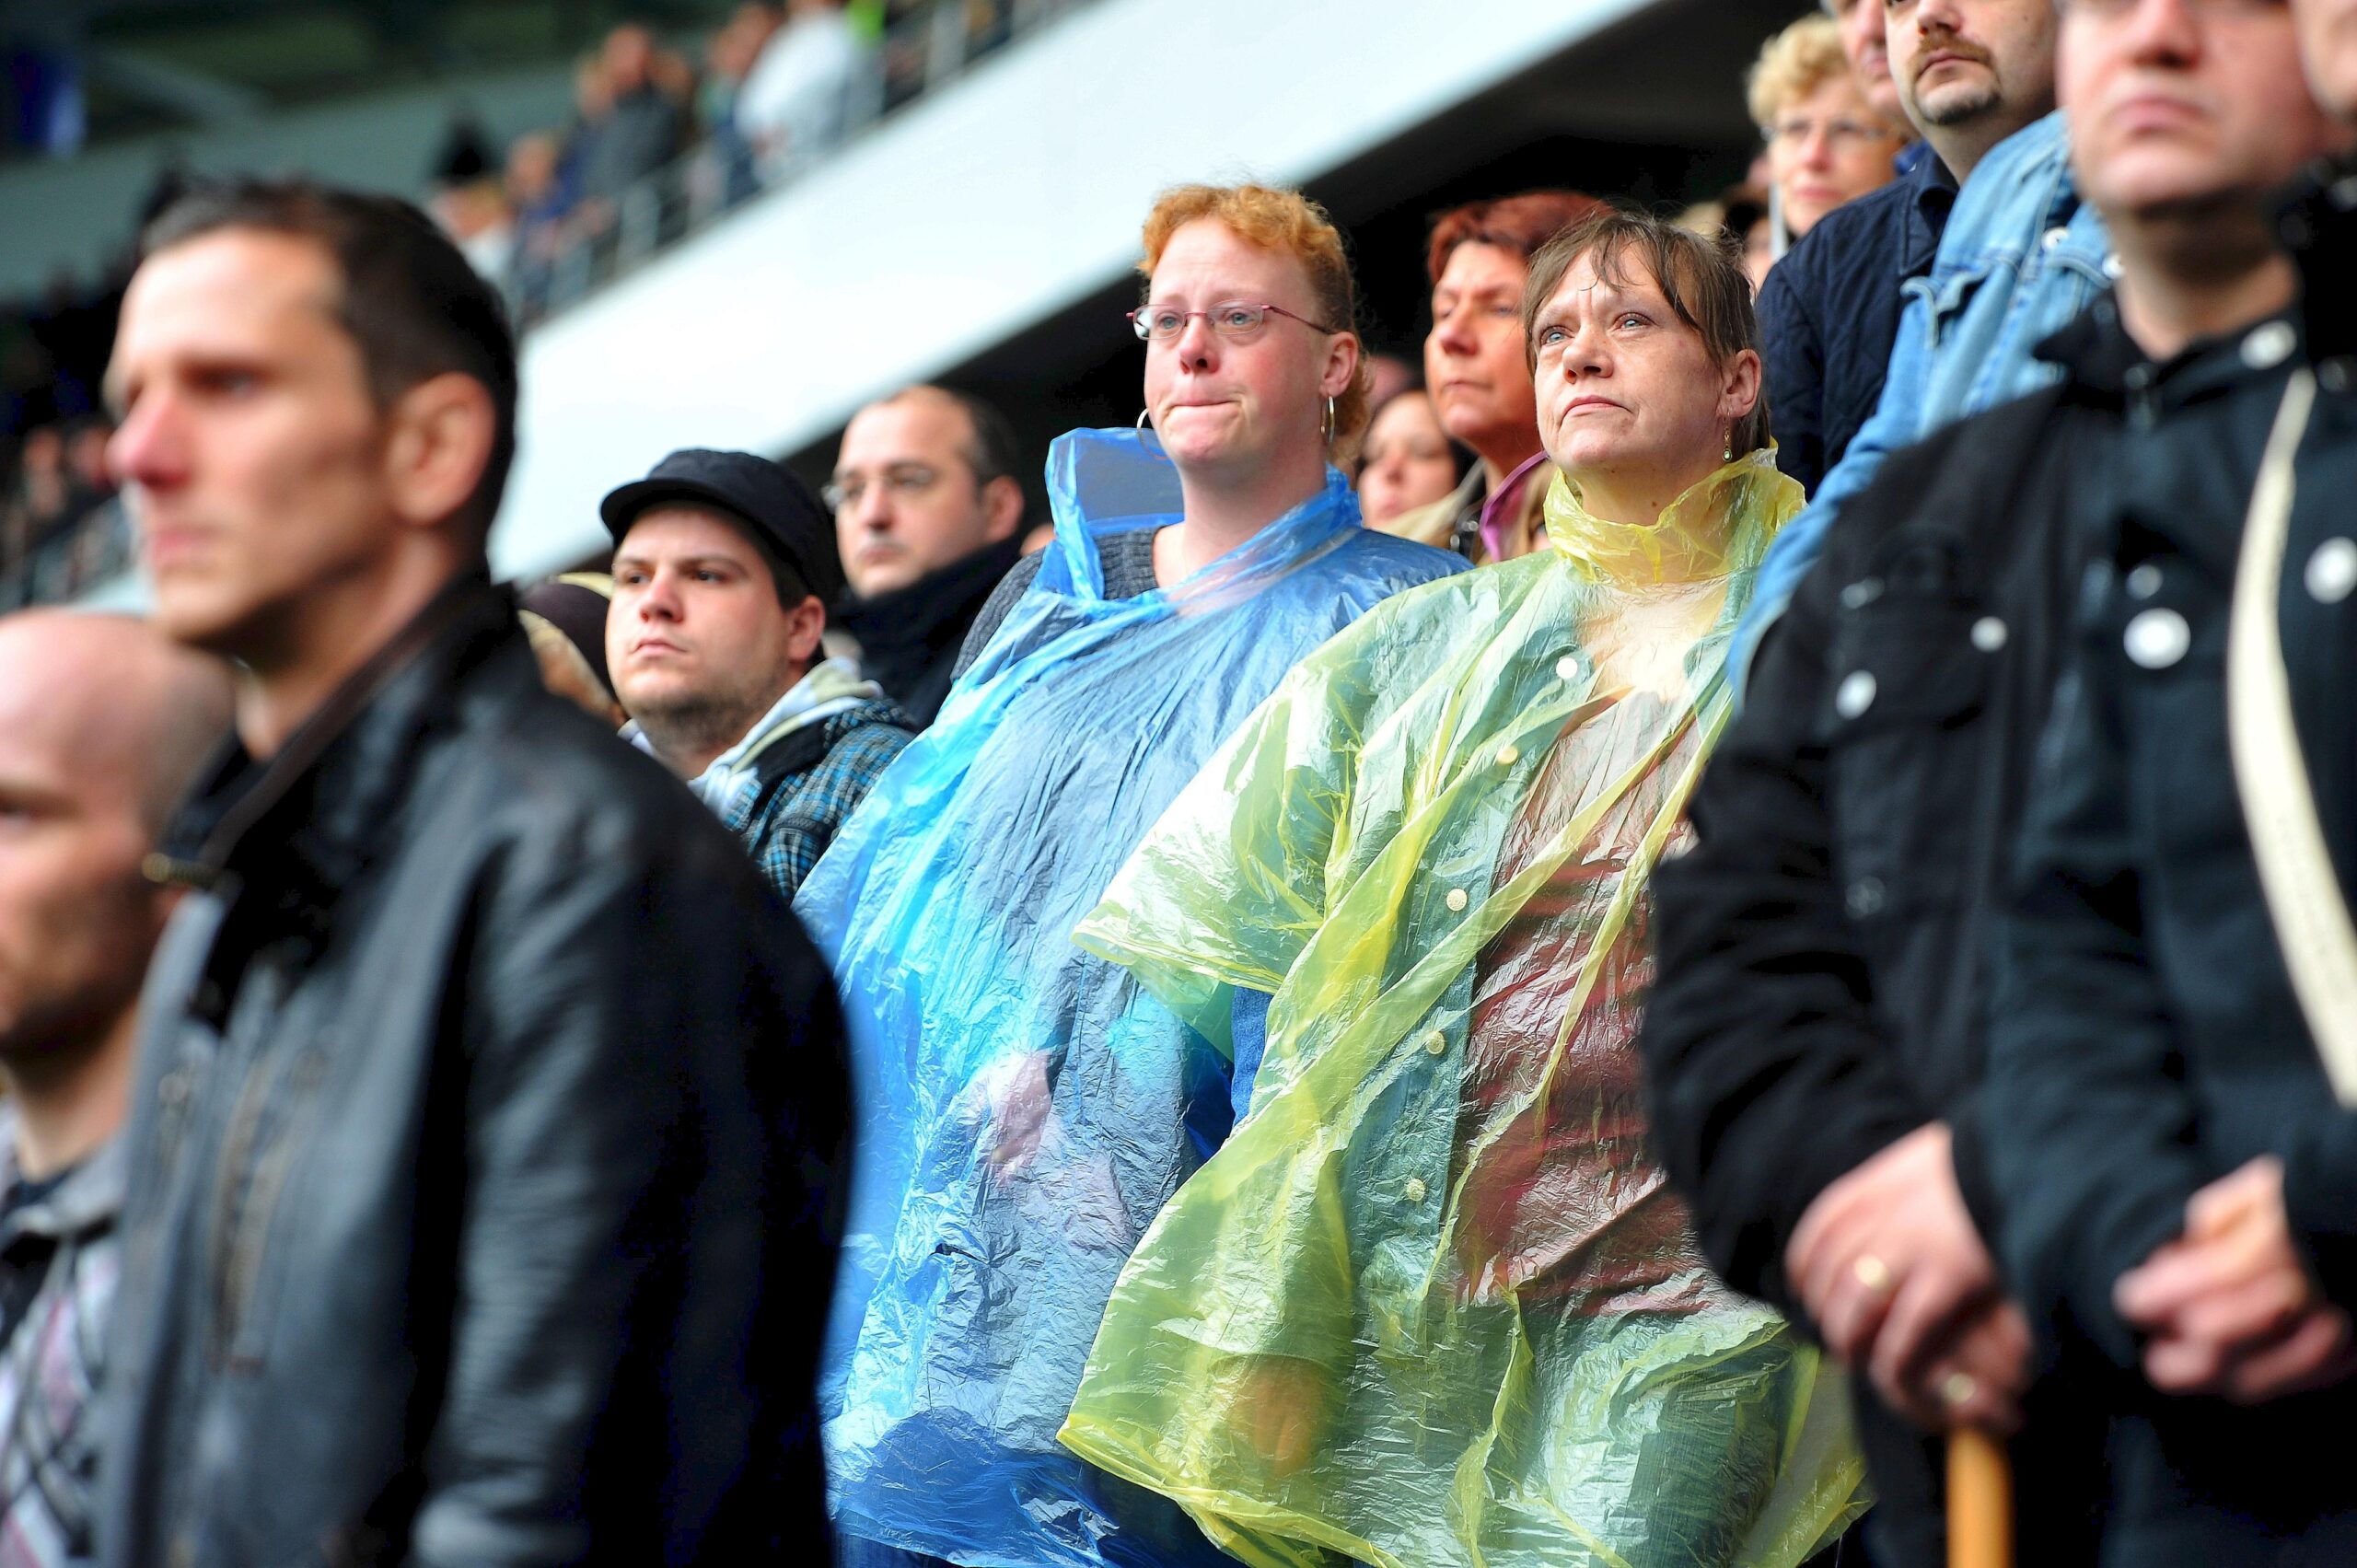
x: 487, y: 1128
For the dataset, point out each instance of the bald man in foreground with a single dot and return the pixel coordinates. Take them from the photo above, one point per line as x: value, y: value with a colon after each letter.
x: 103, y: 724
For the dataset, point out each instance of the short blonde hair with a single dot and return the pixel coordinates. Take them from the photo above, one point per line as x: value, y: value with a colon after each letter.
x: 1792, y: 65
x: 1292, y: 225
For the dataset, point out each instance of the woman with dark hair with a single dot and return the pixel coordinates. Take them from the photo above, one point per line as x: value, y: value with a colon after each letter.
x: 1434, y: 1302
x: 1474, y: 368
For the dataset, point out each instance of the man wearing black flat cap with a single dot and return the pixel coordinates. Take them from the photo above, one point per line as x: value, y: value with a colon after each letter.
x: 724, y: 566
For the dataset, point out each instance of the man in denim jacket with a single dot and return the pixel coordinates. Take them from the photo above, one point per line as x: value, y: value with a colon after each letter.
x: 2020, y: 257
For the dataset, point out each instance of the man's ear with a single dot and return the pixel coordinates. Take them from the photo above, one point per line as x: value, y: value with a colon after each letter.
x: 805, y: 624
x: 1002, y: 508
x: 437, y: 446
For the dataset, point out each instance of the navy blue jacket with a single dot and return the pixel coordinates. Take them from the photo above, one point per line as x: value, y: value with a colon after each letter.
x: 1828, y: 314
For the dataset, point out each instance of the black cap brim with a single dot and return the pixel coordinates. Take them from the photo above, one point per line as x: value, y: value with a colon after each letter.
x: 625, y: 503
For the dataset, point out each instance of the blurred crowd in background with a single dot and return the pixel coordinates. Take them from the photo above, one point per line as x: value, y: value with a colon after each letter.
x: 668, y: 133
x: 665, y: 134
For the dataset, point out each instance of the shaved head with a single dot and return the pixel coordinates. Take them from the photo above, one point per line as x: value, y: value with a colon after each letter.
x: 103, y: 724
x: 110, y: 702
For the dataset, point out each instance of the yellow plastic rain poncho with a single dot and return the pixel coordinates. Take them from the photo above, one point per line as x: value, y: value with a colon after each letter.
x: 1432, y: 1303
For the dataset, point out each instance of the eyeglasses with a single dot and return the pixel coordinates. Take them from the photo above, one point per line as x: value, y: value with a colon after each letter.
x: 1840, y: 136
x: 905, y: 481
x: 1234, y: 320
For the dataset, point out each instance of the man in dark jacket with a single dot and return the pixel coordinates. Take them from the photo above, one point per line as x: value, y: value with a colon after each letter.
x: 2177, y: 1184
x: 1818, y: 1042
x: 1970, y: 73
x: 489, y: 1107
x: 928, y: 519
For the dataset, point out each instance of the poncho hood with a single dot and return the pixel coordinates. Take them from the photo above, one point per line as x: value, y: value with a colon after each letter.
x: 1715, y: 528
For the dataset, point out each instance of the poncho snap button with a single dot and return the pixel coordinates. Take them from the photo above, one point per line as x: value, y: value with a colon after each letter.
x: 2144, y: 581
x: 1436, y: 1042
x: 1508, y: 756
x: 1855, y: 694
x: 1567, y: 666
x: 1989, y: 633
x: 1414, y: 1189
x: 2332, y: 571
x: 1457, y: 899
x: 2156, y: 639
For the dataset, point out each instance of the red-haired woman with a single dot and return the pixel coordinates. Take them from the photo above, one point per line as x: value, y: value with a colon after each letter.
x: 1479, y: 376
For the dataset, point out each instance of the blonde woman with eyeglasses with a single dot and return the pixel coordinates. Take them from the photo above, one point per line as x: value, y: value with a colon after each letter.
x: 1827, y: 144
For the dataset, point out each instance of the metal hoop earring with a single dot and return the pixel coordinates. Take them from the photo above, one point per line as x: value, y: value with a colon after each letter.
x: 1141, y: 427
x: 1331, y: 425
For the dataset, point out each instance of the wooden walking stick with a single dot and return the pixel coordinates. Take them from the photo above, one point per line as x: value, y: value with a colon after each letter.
x: 1980, y: 1501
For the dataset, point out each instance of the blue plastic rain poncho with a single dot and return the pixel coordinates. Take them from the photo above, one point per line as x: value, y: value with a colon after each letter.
x: 1432, y: 1303
x: 1026, y: 1107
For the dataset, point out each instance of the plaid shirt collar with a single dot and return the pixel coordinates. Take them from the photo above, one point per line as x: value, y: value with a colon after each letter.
x: 85, y: 1203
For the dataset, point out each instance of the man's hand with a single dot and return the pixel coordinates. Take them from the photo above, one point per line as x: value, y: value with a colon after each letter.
x: 2229, y: 1308
x: 1899, y: 1282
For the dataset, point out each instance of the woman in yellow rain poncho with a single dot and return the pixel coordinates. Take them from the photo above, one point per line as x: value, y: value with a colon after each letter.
x: 1432, y: 1303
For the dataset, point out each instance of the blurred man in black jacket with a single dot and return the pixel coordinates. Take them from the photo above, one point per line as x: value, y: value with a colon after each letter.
x: 2177, y: 1185
x: 489, y: 1108
x: 1818, y: 1042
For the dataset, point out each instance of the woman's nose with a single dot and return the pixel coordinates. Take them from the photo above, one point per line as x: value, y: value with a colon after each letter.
x: 1195, y: 340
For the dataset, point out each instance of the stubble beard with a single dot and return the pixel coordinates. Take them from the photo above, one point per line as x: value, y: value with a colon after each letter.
x: 694, y: 721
